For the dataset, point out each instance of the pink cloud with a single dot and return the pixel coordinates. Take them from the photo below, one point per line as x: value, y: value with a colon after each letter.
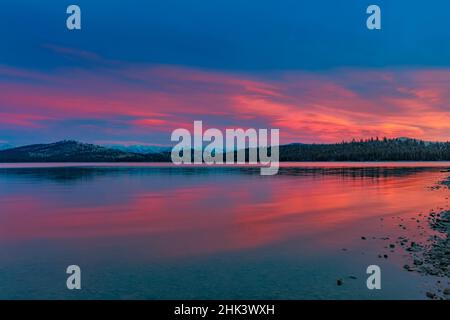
x: 308, y: 107
x: 21, y: 120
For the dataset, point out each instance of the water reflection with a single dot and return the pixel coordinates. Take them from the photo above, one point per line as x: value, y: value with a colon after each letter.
x: 231, y: 208
x: 65, y: 174
x: 159, y: 213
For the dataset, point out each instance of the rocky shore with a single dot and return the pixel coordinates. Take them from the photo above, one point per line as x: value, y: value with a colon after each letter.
x: 432, y: 258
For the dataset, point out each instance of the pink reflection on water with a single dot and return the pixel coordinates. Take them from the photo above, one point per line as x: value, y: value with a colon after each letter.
x: 318, y: 211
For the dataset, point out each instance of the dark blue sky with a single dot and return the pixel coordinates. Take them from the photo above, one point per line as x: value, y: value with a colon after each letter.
x: 248, y: 35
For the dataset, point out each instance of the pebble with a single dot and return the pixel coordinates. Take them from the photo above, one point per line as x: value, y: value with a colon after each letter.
x: 418, y: 262
x: 430, y: 295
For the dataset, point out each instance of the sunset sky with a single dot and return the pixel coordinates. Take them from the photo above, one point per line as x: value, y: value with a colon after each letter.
x: 139, y: 69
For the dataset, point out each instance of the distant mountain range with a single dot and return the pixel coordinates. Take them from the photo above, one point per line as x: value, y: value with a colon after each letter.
x: 401, y: 149
x: 4, y: 146
x: 143, y: 149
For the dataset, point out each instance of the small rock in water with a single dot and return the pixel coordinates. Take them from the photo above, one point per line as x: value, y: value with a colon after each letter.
x: 339, y: 282
x: 406, y: 267
x: 363, y: 238
x: 418, y: 262
x: 447, y: 291
x: 430, y: 295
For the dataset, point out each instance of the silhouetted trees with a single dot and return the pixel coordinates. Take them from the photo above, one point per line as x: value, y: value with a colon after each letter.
x: 400, y: 149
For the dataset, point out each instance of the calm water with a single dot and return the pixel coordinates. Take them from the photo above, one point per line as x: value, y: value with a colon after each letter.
x: 160, y: 232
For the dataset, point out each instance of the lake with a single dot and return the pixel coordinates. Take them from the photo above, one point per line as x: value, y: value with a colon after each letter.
x: 163, y: 232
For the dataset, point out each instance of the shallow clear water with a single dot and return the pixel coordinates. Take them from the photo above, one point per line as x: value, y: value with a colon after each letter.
x: 163, y: 232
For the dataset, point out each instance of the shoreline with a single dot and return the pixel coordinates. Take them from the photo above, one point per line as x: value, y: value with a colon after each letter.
x: 432, y: 256
x: 284, y: 164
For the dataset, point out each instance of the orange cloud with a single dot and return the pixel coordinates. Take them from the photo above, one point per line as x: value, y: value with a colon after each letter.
x: 308, y: 107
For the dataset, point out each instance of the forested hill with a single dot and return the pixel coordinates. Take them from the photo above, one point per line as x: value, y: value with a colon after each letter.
x: 73, y: 151
x: 401, y: 149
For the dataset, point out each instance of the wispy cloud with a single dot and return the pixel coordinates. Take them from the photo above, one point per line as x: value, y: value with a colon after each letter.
x: 76, y: 53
